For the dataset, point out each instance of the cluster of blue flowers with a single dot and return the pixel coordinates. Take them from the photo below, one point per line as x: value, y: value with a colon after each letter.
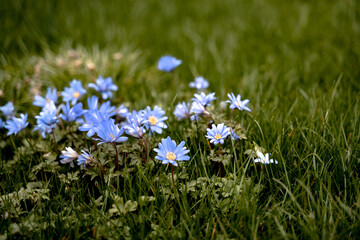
x: 197, y: 110
x: 99, y: 123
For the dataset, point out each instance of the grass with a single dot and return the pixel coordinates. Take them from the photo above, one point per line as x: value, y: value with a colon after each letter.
x: 296, y: 61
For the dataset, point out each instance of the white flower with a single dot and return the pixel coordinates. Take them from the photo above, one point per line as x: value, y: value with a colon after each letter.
x: 69, y: 155
x: 199, y: 110
x: 264, y: 159
x: 182, y: 111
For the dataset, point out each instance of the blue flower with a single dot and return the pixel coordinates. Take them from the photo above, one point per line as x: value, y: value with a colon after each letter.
x: 136, y: 117
x: 1, y: 123
x: 85, y: 158
x: 218, y: 133
x: 74, y: 92
x: 122, y: 111
x: 51, y: 95
x: 109, y: 132
x: 134, y: 125
x: 15, y: 125
x: 107, y: 109
x: 68, y: 156
x: 8, y: 110
x: 134, y: 130
x: 92, y: 120
x: 264, y: 159
x: 47, y: 119
x: 104, y: 86
x: 104, y: 108
x: 237, y: 103
x: 93, y: 102
x: 71, y: 114
x: 203, y: 98
x: 182, y: 111
x: 199, y: 110
x: 199, y: 83
x: 168, y: 63
x: 168, y: 152
x: 234, y: 136
x: 154, y: 119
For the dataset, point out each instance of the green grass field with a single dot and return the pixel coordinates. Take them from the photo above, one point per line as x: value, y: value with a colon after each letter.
x: 298, y: 62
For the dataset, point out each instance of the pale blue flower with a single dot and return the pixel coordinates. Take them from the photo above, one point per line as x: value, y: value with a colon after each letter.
x: 15, y: 125
x: 199, y: 83
x: 51, y: 95
x: 218, y: 133
x: 104, y: 108
x: 47, y: 119
x: 71, y: 114
x: 264, y: 159
x: 107, y: 109
x: 68, y: 156
x: 136, y: 117
x: 85, y: 158
x: 74, y: 92
x: 198, y: 110
x: 168, y: 63
x: 134, y: 130
x: 234, y: 136
x: 237, y: 103
x: 109, y: 132
x: 92, y: 120
x: 104, y: 86
x: 154, y: 119
x: 122, y: 111
x: 8, y: 110
x: 93, y: 102
x: 134, y: 125
x: 182, y: 111
x: 168, y: 152
x: 204, y: 99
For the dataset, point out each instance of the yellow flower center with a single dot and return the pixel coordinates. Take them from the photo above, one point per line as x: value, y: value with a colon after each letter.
x: 112, y: 136
x: 153, y: 120
x: 47, y: 100
x: 218, y: 136
x: 170, y: 156
x: 76, y: 94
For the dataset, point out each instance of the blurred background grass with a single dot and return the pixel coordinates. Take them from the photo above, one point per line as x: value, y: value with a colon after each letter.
x: 239, y: 44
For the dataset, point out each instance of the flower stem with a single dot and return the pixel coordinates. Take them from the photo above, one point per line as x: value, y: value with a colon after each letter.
x: 94, y: 145
x: 220, y: 161
x: 231, y: 115
x: 208, y: 143
x: 102, y: 170
x: 55, y: 144
x: 70, y: 132
x: 116, y: 157
x: 219, y: 168
x: 146, y: 148
x: 28, y: 138
x: 62, y: 125
x: 172, y: 174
